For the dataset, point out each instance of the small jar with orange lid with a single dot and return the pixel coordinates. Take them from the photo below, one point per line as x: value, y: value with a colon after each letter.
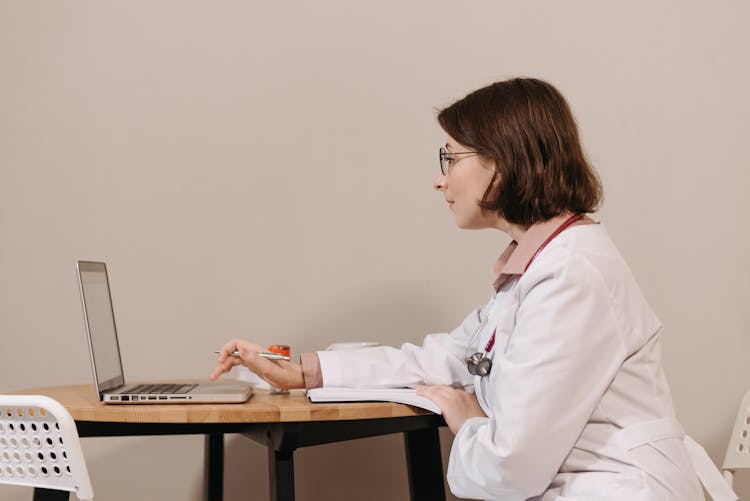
x: 280, y: 349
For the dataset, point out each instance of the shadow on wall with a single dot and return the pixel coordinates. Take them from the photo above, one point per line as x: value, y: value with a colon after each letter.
x: 372, y: 469
x: 144, y: 468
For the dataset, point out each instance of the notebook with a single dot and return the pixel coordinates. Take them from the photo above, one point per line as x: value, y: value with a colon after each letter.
x: 406, y: 396
x: 106, y: 362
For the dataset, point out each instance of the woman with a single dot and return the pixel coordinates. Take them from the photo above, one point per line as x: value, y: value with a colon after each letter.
x: 569, y: 399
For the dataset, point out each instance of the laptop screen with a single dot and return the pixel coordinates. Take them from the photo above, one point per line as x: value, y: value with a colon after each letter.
x: 100, y: 325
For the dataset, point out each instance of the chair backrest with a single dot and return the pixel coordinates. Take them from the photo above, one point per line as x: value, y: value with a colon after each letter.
x: 39, y: 446
x: 738, y: 450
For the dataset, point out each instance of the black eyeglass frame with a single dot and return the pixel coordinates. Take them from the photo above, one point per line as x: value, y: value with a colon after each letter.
x: 447, y: 159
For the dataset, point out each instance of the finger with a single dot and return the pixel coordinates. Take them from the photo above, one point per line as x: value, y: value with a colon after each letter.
x: 238, y: 345
x: 227, y: 349
x: 442, y: 395
x: 439, y: 400
x: 223, y: 367
x: 439, y: 388
x: 218, y: 371
x: 248, y: 350
x: 270, y: 370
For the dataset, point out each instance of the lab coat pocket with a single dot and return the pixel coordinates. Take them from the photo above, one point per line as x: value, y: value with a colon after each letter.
x: 657, y: 449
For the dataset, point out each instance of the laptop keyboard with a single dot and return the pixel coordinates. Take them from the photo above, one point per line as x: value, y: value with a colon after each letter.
x: 175, y: 389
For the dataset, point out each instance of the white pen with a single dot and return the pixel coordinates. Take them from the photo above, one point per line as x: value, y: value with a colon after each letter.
x: 264, y: 354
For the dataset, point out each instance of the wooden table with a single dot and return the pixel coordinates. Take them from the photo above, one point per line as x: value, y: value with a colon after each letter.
x: 282, y: 422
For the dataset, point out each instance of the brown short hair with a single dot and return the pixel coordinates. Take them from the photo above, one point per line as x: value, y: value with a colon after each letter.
x: 525, y: 127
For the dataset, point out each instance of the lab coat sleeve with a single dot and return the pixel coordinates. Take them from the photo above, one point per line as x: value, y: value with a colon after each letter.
x: 439, y: 360
x: 564, y: 350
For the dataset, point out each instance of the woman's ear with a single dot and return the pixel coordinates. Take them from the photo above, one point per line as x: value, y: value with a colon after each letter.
x: 494, y: 185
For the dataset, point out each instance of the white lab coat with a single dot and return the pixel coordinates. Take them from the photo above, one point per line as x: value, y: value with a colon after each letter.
x: 577, y: 404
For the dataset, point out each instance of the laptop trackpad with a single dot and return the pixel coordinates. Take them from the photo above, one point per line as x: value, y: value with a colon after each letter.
x: 221, y: 387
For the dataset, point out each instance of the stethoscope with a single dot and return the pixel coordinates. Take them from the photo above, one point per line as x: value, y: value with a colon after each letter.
x: 479, y: 364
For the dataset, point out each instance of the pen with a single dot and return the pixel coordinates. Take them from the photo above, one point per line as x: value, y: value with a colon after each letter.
x: 270, y: 356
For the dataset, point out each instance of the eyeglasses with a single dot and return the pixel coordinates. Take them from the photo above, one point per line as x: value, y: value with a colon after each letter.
x: 448, y: 159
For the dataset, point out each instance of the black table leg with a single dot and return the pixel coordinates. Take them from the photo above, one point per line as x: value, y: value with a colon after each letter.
x: 281, y: 474
x: 50, y: 495
x: 425, y: 465
x: 214, y: 466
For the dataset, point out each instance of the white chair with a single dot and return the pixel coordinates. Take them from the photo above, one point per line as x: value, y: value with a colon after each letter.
x: 39, y: 446
x: 738, y: 450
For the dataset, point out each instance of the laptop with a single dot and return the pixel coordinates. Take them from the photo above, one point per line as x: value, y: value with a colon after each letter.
x: 106, y: 361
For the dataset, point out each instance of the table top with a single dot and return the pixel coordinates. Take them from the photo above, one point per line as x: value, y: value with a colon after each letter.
x: 263, y: 407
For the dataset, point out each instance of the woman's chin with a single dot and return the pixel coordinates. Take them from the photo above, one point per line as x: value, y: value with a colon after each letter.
x: 472, y: 224
x: 466, y: 225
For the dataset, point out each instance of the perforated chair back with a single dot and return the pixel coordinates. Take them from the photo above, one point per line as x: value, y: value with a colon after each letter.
x: 738, y: 450
x: 39, y: 446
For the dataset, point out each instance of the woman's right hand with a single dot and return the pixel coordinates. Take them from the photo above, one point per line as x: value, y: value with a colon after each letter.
x: 279, y: 373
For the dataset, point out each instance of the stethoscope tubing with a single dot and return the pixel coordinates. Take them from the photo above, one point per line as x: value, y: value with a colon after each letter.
x: 479, y: 364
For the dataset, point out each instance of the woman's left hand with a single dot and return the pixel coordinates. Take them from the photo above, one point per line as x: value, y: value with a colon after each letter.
x: 457, y: 405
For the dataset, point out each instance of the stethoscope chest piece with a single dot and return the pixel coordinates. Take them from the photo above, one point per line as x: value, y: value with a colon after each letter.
x: 479, y: 365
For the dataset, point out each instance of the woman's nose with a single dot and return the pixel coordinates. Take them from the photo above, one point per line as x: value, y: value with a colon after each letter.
x: 439, y: 183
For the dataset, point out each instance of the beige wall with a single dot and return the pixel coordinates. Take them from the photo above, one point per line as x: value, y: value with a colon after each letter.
x: 252, y: 169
